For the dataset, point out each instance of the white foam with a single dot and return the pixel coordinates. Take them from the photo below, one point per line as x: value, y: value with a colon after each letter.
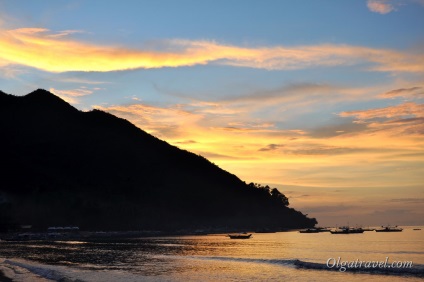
x: 23, y: 270
x: 18, y: 273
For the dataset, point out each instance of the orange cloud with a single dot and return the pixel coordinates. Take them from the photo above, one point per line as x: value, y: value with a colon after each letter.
x: 380, y: 6
x: 37, y: 47
x: 406, y: 109
x: 54, y: 52
x: 401, y: 120
x: 412, y: 92
x: 283, y: 58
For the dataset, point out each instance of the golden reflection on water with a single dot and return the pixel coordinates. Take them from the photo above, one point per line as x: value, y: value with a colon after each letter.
x: 71, y: 242
x: 315, y: 247
x: 263, y: 255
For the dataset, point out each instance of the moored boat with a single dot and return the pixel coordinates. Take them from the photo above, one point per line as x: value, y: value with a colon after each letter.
x: 323, y: 229
x: 347, y: 230
x: 315, y: 230
x: 389, y: 229
x: 240, y: 236
x: 310, y: 230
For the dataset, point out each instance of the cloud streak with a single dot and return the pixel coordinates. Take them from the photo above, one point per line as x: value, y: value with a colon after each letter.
x: 56, y: 52
x: 405, y: 109
x: 72, y: 95
x: 271, y: 147
x: 166, y: 123
x: 412, y: 92
x: 404, y: 119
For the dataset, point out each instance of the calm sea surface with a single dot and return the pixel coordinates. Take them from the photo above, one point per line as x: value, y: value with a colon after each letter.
x: 284, y: 256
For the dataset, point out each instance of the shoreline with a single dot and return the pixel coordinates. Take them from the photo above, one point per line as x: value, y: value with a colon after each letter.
x: 10, y: 272
x: 104, y: 235
x: 93, y: 235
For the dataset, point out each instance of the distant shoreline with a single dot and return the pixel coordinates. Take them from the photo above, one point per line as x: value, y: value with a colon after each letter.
x: 94, y: 235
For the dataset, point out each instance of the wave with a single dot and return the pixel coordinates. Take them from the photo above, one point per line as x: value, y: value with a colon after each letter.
x: 28, y: 271
x: 286, y: 262
x: 416, y: 270
x: 23, y: 270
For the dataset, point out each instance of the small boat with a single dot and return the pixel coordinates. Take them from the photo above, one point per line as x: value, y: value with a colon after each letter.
x: 323, y: 229
x: 347, y: 230
x: 416, y: 229
x: 389, y: 229
x: 310, y: 230
x: 240, y: 236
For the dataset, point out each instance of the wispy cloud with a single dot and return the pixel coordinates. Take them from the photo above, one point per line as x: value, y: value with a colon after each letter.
x: 72, y: 95
x: 271, y: 147
x: 55, y: 52
x: 65, y: 33
x: 405, y: 109
x: 10, y: 71
x: 380, y: 6
x: 169, y: 123
x: 81, y: 80
x: 408, y: 200
x: 412, y: 92
x: 404, y: 119
x: 387, y: 6
x: 300, y: 57
x: 287, y: 93
x: 186, y: 142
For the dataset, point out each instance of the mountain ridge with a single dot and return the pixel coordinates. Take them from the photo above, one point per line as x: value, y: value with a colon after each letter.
x: 92, y: 169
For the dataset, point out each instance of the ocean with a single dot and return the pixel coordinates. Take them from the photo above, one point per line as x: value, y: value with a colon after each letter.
x: 282, y: 256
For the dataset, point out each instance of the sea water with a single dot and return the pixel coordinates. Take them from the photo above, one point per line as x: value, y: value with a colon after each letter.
x: 282, y: 256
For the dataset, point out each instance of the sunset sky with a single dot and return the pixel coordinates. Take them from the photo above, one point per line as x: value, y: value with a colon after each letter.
x: 322, y: 99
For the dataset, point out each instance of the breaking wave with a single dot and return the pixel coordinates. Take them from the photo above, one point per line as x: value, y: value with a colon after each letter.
x: 416, y: 270
x: 22, y: 270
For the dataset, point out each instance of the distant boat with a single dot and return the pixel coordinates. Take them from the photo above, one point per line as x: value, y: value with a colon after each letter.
x: 240, y: 236
x: 310, y: 230
x: 315, y: 230
x: 389, y: 229
x: 416, y: 229
x: 347, y: 230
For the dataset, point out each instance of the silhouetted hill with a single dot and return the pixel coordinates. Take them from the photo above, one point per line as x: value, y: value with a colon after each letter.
x: 61, y: 166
